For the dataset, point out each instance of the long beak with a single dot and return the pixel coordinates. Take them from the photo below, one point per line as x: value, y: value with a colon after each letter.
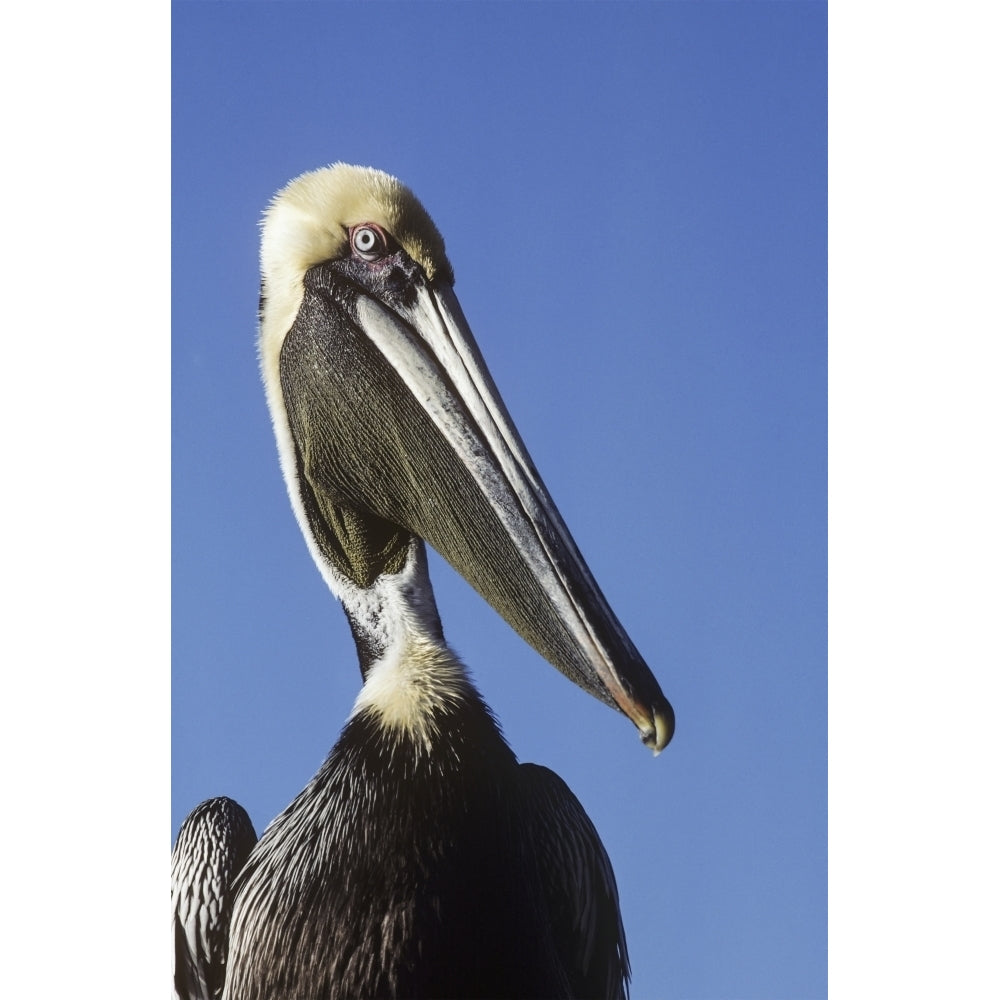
x: 395, y: 415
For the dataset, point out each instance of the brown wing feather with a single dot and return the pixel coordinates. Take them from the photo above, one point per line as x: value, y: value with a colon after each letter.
x: 212, y: 846
x: 578, y: 885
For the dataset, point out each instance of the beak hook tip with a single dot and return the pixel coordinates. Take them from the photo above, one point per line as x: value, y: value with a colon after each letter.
x: 661, y: 732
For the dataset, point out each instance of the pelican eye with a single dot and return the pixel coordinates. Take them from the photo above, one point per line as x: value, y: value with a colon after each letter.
x: 369, y: 242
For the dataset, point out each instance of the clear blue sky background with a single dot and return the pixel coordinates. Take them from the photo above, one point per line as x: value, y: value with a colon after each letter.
x: 633, y: 197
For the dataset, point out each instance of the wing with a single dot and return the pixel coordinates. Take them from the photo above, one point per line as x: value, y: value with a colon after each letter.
x: 212, y: 846
x: 578, y: 886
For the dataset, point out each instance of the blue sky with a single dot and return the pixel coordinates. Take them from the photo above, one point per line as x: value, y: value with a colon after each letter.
x: 633, y: 197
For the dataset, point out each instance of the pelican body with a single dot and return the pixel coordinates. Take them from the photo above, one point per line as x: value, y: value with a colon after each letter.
x: 422, y: 860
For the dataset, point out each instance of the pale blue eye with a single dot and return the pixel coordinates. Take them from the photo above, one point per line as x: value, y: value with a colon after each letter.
x: 367, y: 242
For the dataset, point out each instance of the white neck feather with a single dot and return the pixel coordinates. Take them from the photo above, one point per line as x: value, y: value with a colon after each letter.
x: 416, y: 675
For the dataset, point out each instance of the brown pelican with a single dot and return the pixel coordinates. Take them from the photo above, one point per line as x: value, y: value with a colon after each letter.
x: 422, y: 860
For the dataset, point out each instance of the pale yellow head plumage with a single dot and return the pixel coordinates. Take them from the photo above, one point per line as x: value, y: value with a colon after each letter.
x: 308, y: 222
x: 308, y: 219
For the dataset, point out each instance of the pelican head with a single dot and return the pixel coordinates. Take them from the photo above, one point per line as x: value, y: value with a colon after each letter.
x: 391, y: 432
